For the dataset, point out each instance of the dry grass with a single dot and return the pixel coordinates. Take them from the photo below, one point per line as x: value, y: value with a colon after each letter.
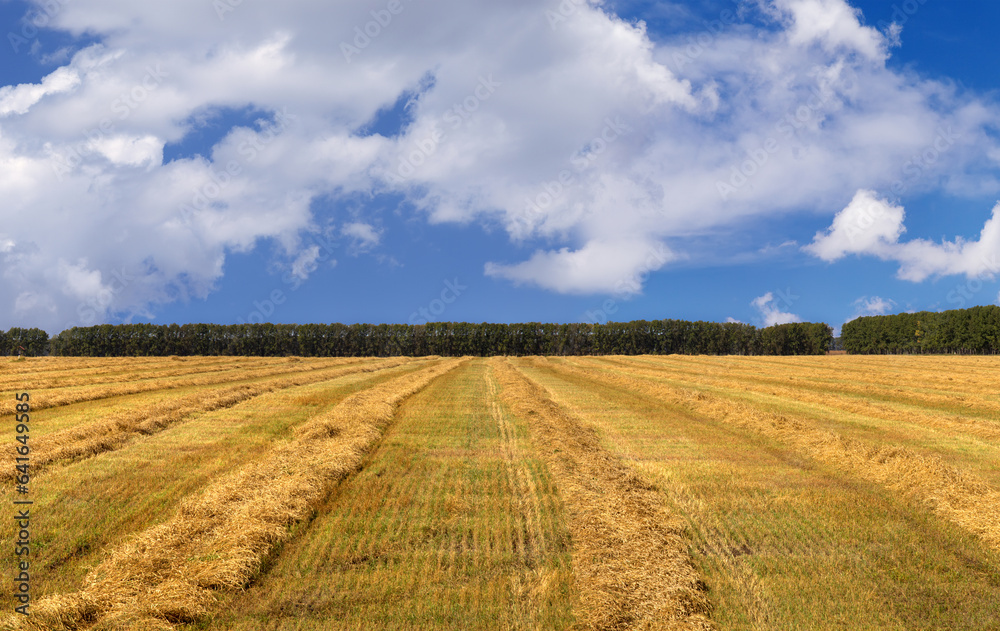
x: 969, y: 412
x: 117, y: 429
x: 127, y: 384
x: 453, y: 523
x: 952, y: 493
x: 630, y: 556
x: 219, y: 539
x: 67, y: 372
x: 93, y: 505
x: 604, y: 493
x: 783, y: 541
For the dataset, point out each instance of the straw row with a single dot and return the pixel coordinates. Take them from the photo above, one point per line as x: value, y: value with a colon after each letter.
x: 953, y: 494
x: 117, y: 429
x: 219, y: 539
x: 630, y: 556
x: 44, y: 399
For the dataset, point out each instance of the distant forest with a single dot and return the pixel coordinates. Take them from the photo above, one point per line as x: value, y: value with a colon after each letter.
x: 442, y: 338
x: 973, y: 331
x: 965, y: 331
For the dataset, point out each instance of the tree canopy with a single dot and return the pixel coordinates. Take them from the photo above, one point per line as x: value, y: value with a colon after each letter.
x: 967, y: 331
x: 444, y: 338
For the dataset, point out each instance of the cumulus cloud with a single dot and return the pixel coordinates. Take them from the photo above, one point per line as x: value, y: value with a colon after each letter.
x: 608, y: 266
x: 834, y: 25
x: 872, y: 226
x: 868, y: 224
x: 771, y: 313
x: 582, y: 136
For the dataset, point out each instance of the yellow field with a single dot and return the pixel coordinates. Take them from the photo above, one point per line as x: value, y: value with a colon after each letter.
x: 677, y: 492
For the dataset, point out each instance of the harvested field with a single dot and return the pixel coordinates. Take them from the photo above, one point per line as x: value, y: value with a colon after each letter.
x: 675, y: 492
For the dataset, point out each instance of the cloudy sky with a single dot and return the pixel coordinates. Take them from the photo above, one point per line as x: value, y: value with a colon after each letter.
x: 405, y: 161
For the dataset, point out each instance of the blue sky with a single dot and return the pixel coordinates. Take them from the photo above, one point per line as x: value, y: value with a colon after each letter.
x: 757, y: 160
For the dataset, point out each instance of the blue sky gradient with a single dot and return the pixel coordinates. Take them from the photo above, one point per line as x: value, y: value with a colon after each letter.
x: 294, y: 136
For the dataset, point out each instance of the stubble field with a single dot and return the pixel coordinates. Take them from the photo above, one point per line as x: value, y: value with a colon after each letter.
x: 676, y: 492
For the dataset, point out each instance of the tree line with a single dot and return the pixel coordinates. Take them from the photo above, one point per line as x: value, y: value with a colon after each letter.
x: 443, y: 338
x: 29, y: 342
x: 966, y: 331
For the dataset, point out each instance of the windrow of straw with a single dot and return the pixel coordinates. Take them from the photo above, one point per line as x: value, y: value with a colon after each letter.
x: 823, y: 396
x: 220, y: 539
x: 116, y: 429
x: 953, y: 494
x: 44, y: 399
x: 112, y: 369
x: 630, y: 557
x: 914, y: 392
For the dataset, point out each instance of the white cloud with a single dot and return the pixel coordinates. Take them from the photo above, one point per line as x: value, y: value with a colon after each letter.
x: 870, y: 225
x: 770, y: 313
x: 588, y: 138
x: 600, y: 266
x: 19, y: 99
x: 364, y: 236
x: 835, y: 25
x: 130, y: 151
x: 306, y: 263
x: 867, y: 225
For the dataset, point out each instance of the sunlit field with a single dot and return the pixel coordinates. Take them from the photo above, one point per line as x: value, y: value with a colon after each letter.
x: 645, y: 492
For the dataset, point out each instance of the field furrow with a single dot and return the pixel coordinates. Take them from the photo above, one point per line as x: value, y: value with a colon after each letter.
x: 128, y: 368
x: 979, y: 407
x: 606, y: 492
x: 219, y: 538
x: 54, y: 397
x: 953, y: 494
x: 967, y: 441
x: 116, y: 429
x: 629, y: 554
x: 783, y: 541
x: 93, y: 505
x: 435, y: 531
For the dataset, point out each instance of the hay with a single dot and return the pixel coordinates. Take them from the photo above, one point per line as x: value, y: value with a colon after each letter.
x: 59, y: 394
x: 116, y: 430
x: 630, y: 556
x: 955, y: 495
x: 220, y: 539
